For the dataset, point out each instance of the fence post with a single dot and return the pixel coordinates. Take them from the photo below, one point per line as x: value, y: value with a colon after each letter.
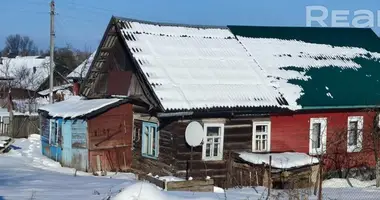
x: 269, y: 176
x: 229, y: 171
x: 320, y: 179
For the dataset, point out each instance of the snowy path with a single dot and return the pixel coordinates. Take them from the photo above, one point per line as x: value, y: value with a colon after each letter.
x: 26, y: 174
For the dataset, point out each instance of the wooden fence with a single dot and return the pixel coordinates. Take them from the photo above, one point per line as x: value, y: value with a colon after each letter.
x: 243, y: 174
x: 21, y: 126
x: 193, y: 185
x: 4, y: 128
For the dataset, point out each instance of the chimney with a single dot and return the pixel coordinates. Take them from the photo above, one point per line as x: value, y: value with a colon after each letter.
x: 76, y: 88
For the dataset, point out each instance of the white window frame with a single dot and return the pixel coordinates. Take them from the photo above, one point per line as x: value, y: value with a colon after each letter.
x: 323, y: 122
x: 359, y: 146
x: 220, y: 154
x: 261, y: 123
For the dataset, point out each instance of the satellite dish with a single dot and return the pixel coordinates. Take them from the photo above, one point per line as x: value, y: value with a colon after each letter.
x: 194, y: 134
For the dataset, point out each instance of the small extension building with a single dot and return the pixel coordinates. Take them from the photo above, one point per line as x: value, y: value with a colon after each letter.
x: 89, y: 135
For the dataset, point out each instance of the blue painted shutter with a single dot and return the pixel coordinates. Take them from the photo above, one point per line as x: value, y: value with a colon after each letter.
x: 150, y: 140
x: 53, y: 132
x: 59, y: 132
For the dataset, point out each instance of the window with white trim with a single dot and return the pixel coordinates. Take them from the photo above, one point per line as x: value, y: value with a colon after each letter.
x: 261, y: 136
x: 55, y: 135
x: 213, y: 142
x: 318, y: 132
x: 354, y: 133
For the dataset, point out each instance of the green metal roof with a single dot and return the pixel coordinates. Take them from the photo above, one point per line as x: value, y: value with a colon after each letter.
x: 348, y: 79
x: 353, y: 37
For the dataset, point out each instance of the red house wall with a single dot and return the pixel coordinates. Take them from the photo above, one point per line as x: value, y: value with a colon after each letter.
x: 110, y: 137
x: 291, y: 133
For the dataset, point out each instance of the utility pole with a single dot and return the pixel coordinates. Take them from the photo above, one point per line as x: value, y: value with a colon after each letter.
x: 52, y: 35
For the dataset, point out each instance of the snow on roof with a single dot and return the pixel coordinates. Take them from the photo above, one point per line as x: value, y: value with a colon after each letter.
x: 76, y: 107
x: 195, y: 68
x: 82, y: 69
x: 273, y: 55
x: 56, y: 88
x: 22, y: 70
x: 280, y: 160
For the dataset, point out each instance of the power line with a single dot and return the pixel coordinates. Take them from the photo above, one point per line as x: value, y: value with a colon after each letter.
x: 36, y: 2
x: 87, y: 6
x: 65, y: 17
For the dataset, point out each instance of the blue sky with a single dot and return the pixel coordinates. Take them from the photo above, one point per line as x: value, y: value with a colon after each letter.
x: 82, y: 22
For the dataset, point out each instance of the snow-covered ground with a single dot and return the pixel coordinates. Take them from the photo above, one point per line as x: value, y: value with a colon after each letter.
x: 26, y: 174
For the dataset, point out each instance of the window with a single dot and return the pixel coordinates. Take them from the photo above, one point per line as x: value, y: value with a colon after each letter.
x: 354, y: 133
x: 261, y: 137
x: 150, y: 140
x: 55, y: 132
x: 213, y: 142
x: 318, y: 131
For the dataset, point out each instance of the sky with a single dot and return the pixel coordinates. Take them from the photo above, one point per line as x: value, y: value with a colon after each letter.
x: 82, y: 23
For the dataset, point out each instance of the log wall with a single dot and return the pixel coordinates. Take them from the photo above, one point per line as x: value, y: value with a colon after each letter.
x: 237, y: 137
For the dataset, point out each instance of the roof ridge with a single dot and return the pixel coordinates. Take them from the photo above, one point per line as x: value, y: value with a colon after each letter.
x: 172, y: 24
x: 303, y: 27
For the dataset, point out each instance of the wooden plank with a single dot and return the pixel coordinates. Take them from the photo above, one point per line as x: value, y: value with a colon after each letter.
x: 106, y: 48
x: 200, y: 164
x: 7, y: 145
x: 204, y: 188
x: 189, y: 184
x: 152, y: 180
x: 237, y: 126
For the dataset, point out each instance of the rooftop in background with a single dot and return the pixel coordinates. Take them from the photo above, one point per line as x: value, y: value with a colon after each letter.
x: 55, y: 89
x: 28, y: 72
x: 82, y: 69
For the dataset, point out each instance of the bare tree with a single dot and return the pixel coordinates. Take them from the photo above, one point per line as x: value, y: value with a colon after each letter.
x: 20, y: 45
x: 375, y: 137
x: 331, y: 148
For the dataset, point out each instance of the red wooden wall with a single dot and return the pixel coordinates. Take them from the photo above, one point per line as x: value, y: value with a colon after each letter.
x: 291, y: 133
x: 110, y: 137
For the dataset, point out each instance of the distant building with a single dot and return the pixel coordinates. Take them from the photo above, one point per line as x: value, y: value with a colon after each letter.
x: 23, y: 76
x: 81, y: 71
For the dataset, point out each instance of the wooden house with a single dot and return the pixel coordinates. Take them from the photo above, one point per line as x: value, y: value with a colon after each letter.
x: 89, y: 135
x: 252, y: 89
